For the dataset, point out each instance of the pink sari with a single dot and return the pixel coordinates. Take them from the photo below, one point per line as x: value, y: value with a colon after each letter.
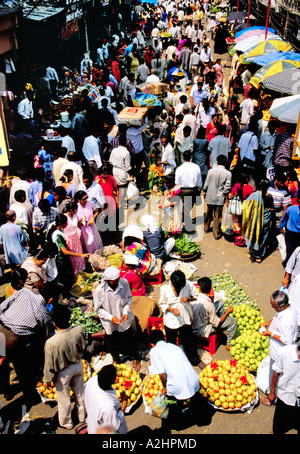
x: 73, y: 243
x: 90, y: 236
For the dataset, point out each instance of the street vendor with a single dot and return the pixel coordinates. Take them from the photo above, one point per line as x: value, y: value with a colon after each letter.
x: 112, y: 300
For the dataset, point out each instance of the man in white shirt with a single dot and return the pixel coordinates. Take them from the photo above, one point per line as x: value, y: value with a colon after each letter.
x: 189, y: 120
x: 112, y: 301
x: 205, y: 55
x: 25, y: 107
x: 180, y: 380
x: 247, y: 110
x: 102, y: 404
x: 94, y: 191
x: 209, y: 318
x: 51, y: 74
x: 281, y: 330
x: 188, y: 177
x: 91, y: 152
x: 286, y: 386
x: 71, y: 163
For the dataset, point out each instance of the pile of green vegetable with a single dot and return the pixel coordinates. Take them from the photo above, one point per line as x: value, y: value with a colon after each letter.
x: 233, y: 291
x: 86, y: 319
x: 184, y: 245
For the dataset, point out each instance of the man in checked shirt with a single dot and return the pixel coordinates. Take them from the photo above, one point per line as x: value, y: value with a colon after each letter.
x: 24, y: 321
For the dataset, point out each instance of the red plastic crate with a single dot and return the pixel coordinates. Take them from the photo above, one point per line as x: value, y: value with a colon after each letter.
x: 210, y: 343
x: 156, y: 323
x: 153, y: 279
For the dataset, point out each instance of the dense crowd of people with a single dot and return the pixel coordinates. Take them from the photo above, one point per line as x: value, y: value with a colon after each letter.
x: 64, y: 198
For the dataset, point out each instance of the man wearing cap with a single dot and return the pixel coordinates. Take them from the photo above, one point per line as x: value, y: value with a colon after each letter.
x: 112, y: 301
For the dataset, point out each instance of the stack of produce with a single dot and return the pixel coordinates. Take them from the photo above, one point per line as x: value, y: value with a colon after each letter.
x: 184, y: 245
x: 250, y: 349
x: 108, y: 256
x: 233, y: 292
x: 249, y: 318
x: 88, y: 319
x: 85, y: 284
x: 48, y: 392
x: 228, y: 385
x: 128, y: 380
x: 152, y: 386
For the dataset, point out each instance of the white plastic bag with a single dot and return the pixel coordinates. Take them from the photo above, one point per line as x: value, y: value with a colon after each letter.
x: 281, y: 245
x: 133, y: 192
x: 263, y: 379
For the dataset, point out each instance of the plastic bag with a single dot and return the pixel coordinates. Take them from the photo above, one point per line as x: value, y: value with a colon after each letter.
x: 227, y: 223
x: 133, y: 192
x: 281, y: 245
x: 263, y: 379
x: 159, y: 406
x: 235, y: 205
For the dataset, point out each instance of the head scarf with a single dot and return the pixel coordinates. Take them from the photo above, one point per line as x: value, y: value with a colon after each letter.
x: 150, y: 223
x: 134, y: 231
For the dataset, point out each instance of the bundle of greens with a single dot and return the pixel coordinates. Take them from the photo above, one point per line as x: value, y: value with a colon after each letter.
x: 184, y: 245
x: 86, y: 319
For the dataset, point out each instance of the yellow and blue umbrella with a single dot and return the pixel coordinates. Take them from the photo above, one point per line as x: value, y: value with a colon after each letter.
x: 252, y: 41
x: 263, y: 60
x: 272, y: 68
x: 263, y: 48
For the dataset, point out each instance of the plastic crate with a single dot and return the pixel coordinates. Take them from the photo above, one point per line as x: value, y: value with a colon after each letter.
x: 210, y: 343
x: 156, y: 323
x: 153, y: 279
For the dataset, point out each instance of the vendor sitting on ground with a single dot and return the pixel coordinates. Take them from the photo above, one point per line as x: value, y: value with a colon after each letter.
x: 132, y: 243
x: 209, y: 317
x: 155, y: 239
x: 133, y: 276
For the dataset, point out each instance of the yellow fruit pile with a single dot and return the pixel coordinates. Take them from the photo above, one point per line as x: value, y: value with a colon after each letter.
x: 49, y: 392
x: 152, y: 385
x: 86, y: 375
x: 227, y: 384
x: 127, y: 380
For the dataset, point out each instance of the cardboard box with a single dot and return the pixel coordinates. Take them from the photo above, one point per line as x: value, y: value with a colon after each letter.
x: 133, y: 116
x: 153, y: 89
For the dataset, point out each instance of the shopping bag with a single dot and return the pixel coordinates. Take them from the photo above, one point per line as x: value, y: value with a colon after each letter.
x: 281, y: 245
x: 235, y: 205
x: 263, y: 379
x: 159, y: 406
x: 227, y: 223
x: 133, y: 192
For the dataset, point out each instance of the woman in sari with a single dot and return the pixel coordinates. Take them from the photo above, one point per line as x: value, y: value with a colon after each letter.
x: 133, y: 244
x: 86, y: 215
x: 171, y: 205
x: 258, y: 213
x: 243, y: 190
x: 62, y: 259
x: 72, y: 235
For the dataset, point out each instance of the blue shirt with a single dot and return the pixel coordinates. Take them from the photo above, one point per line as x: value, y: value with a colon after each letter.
x: 291, y: 219
x: 198, y: 96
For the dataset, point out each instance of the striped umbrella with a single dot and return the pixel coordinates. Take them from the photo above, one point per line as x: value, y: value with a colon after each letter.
x: 265, y: 47
x: 286, y: 109
x: 249, y: 34
x: 263, y: 60
x: 272, y: 68
x: 254, y: 30
x: 287, y: 82
x: 252, y: 41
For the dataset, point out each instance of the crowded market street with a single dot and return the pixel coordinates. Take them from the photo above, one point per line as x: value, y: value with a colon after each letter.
x: 150, y: 222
